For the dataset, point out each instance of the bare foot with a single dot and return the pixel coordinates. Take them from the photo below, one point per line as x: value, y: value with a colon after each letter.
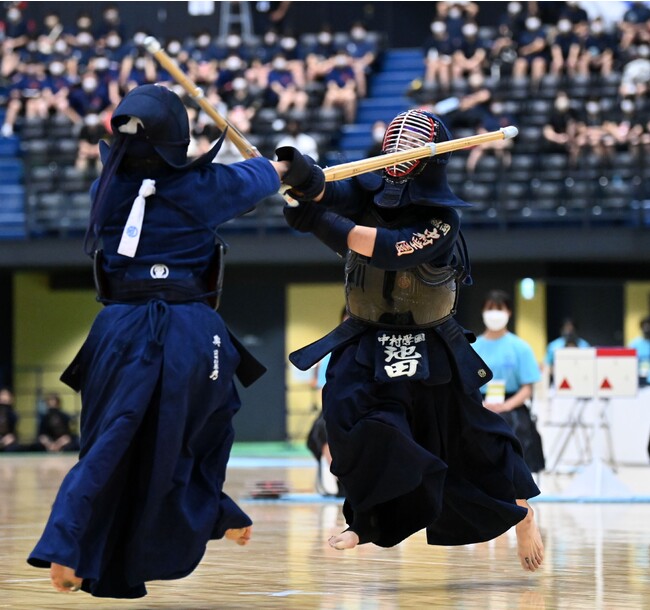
x: 345, y: 540
x: 530, y: 547
x: 241, y: 536
x: 64, y: 579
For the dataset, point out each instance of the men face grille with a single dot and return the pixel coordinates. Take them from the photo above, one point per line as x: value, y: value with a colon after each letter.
x: 408, y: 130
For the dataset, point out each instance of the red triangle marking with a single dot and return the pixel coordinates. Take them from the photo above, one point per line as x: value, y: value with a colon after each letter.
x: 565, y: 385
x: 605, y: 385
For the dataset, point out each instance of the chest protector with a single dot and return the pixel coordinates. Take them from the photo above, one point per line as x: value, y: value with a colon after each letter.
x: 421, y: 296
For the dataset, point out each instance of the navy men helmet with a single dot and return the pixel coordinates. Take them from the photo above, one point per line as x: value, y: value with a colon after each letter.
x: 156, y: 122
x: 422, y: 181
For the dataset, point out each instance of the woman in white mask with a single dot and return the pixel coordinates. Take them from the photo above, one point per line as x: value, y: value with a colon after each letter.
x: 515, y: 371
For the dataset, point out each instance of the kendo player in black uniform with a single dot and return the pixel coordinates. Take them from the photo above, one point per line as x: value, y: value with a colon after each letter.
x: 411, y: 442
x: 156, y: 370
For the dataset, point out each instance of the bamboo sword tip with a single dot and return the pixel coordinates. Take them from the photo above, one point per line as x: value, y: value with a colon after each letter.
x: 152, y: 45
x: 509, y: 132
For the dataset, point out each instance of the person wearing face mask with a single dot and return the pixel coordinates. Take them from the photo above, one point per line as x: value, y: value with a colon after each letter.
x: 377, y: 132
x: 87, y: 97
x: 438, y: 50
x: 565, y: 49
x: 411, y: 443
x: 469, y: 57
x: 532, y: 52
x: 512, y: 362
x: 282, y: 91
x: 560, y: 130
x: 341, y: 86
x: 363, y: 50
x: 599, y: 50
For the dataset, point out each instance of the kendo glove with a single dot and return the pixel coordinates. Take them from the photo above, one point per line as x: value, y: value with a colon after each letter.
x: 331, y: 228
x: 304, y: 176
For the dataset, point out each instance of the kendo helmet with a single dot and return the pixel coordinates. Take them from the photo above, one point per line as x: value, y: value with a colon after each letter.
x: 421, y: 181
x: 155, y: 120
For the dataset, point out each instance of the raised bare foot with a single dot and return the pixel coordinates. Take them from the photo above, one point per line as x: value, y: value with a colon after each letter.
x: 241, y: 535
x: 64, y: 579
x: 345, y: 540
x: 530, y: 547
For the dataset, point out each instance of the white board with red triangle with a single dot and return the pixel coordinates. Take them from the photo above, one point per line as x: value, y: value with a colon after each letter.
x: 596, y: 372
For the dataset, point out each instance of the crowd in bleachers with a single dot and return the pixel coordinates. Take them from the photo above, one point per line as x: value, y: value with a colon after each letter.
x: 579, y: 82
x: 575, y: 84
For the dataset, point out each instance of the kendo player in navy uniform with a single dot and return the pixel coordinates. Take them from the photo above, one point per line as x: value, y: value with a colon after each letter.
x: 156, y: 370
x: 411, y: 442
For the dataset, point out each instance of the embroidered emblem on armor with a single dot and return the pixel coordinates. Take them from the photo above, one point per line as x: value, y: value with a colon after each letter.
x: 132, y: 231
x: 422, y: 240
x: 159, y: 272
x: 400, y: 353
x: 404, y: 282
x: 482, y: 373
x: 216, y: 341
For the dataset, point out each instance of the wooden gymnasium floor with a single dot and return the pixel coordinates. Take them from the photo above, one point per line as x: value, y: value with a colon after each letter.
x: 597, y: 553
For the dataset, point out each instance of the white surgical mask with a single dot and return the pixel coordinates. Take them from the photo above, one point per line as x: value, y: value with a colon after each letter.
x: 495, y: 319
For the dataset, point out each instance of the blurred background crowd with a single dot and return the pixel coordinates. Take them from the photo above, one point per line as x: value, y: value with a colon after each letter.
x: 574, y: 81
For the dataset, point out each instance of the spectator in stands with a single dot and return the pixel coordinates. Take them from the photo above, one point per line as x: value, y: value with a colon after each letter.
x: 107, y: 72
x: 503, y: 53
x: 81, y: 40
x: 175, y: 49
x: 591, y: 135
x: 363, y: 51
x: 577, y: 15
x: 87, y: 97
x: 231, y: 67
x: 560, y: 131
x: 282, y: 91
x: 91, y: 133
x: 597, y: 55
x: 110, y: 21
x: 203, y: 60
x: 532, y: 53
x: 270, y: 15
x: 624, y: 126
x: 25, y: 95
x: 8, y: 421
x: 318, y: 56
x: 494, y: 117
x: 635, y: 76
x: 634, y: 22
x: 472, y: 106
x: 565, y: 49
x: 437, y: 57
x: 297, y: 138
x: 377, y: 132
x: 241, y: 96
x: 341, y: 86
x: 137, y: 68
x: 468, y: 58
x: 513, y: 20
x: 17, y: 30
x: 456, y: 15
x: 52, y: 26
x: 55, y: 433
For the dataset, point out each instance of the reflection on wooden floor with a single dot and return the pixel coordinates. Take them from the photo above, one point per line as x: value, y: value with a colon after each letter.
x: 597, y: 555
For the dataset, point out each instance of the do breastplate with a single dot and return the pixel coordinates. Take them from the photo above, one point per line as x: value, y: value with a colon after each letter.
x: 421, y: 296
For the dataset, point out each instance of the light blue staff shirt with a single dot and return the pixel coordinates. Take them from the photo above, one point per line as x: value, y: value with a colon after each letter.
x: 511, y: 359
